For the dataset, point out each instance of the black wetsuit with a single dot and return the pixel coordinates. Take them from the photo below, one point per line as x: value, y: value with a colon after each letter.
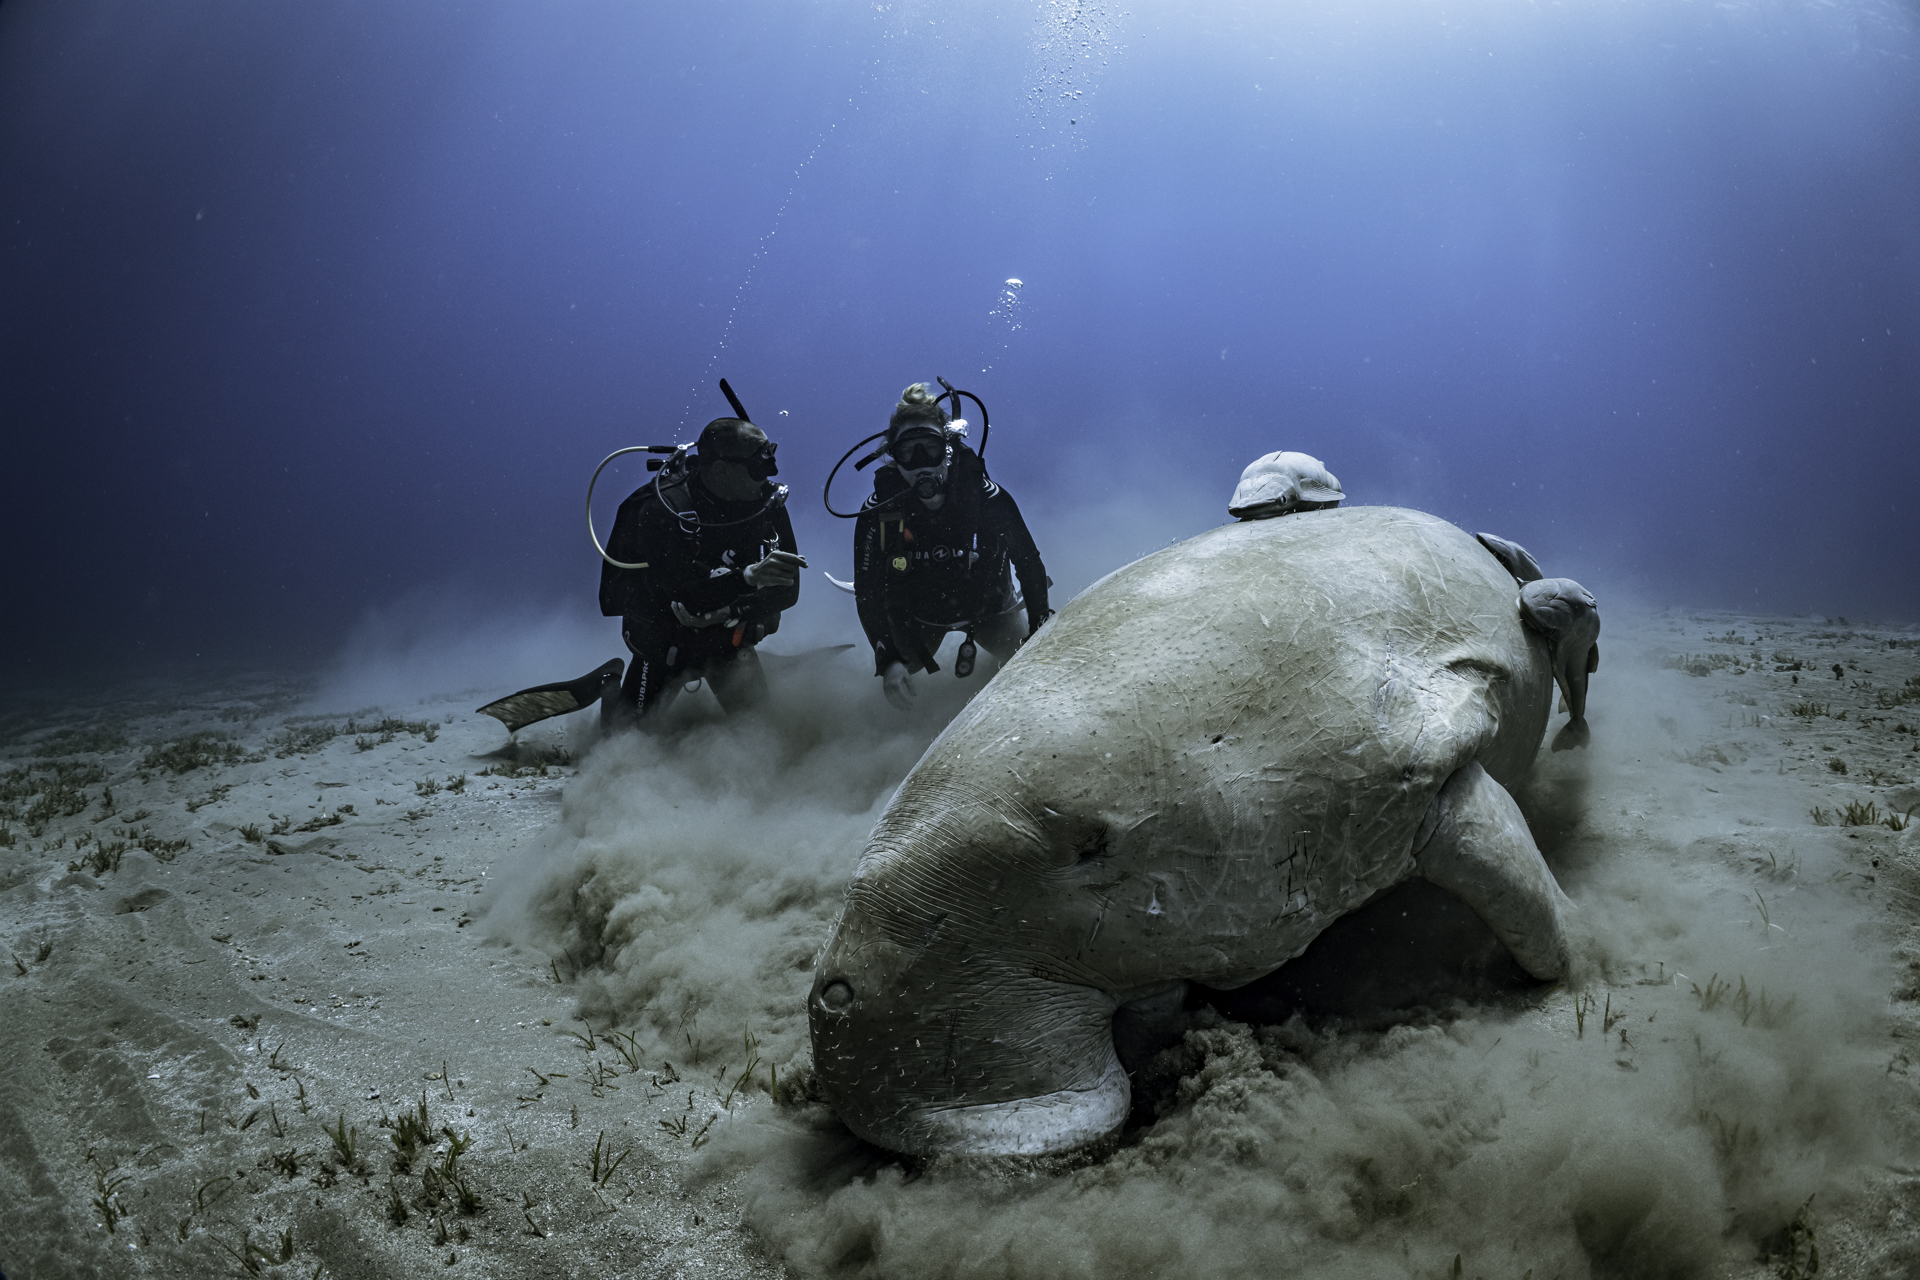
x: 700, y: 567
x: 918, y: 574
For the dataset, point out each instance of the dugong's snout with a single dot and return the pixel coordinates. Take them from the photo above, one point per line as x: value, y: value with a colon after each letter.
x: 924, y: 1049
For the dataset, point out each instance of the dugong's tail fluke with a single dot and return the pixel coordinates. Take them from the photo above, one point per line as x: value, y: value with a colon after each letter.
x: 1565, y: 613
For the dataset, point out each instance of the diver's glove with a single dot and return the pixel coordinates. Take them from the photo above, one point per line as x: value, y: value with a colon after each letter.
x: 779, y: 569
x: 721, y: 616
x: 1035, y: 621
x: 899, y: 685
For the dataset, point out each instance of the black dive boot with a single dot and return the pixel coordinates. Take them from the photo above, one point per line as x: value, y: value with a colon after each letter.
x: 616, y: 712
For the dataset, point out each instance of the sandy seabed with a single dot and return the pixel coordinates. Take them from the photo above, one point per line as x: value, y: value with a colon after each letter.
x: 304, y: 994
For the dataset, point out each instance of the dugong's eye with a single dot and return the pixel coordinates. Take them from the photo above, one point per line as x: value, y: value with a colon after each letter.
x: 837, y: 996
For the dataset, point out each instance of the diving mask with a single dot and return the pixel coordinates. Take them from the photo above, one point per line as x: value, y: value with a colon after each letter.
x: 920, y: 452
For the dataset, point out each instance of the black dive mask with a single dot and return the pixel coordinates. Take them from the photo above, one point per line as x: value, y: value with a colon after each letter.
x: 760, y: 465
x: 919, y: 452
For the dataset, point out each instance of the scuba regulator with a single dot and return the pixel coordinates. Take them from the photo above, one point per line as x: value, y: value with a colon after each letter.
x: 673, y: 468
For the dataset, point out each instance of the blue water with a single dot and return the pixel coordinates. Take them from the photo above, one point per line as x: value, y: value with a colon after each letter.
x: 307, y: 310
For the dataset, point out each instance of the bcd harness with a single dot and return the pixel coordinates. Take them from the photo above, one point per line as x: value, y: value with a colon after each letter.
x: 898, y: 550
x: 677, y: 498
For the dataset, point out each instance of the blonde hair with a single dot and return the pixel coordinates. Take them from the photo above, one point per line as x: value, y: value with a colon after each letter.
x: 918, y: 405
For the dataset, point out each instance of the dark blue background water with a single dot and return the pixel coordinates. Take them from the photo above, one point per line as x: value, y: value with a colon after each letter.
x: 312, y: 310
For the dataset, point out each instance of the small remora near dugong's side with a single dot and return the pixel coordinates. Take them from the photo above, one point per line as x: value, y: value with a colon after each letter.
x: 1200, y: 763
x: 1518, y: 560
x: 1563, y: 611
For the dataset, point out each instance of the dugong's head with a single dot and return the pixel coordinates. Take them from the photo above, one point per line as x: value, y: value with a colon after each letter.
x: 946, y: 1014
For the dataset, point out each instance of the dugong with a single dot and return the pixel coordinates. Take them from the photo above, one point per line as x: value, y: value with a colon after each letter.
x: 1205, y: 759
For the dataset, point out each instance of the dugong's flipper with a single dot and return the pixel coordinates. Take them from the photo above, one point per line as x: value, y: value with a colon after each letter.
x: 1513, y: 557
x: 1475, y: 845
x: 1564, y: 612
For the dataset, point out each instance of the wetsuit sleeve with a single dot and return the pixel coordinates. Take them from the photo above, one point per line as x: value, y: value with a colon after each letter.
x: 1003, y: 513
x: 869, y: 590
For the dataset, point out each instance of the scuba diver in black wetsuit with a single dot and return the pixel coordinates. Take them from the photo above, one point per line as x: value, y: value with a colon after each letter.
x: 932, y: 549
x: 711, y: 564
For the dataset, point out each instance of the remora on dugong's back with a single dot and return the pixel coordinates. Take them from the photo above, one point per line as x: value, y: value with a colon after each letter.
x: 1201, y: 762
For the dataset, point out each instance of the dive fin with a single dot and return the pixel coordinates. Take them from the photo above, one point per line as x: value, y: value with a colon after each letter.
x: 785, y: 662
x: 530, y: 706
x: 844, y: 586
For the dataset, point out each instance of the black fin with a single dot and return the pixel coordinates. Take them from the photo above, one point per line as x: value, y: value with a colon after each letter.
x: 530, y: 706
x: 785, y: 662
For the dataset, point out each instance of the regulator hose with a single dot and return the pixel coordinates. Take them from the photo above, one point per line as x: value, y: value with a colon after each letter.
x: 986, y: 424
x: 776, y: 498
x: 691, y: 520
x: 639, y: 448
x: 826, y: 490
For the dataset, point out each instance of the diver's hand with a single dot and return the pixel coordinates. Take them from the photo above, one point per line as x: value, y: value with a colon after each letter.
x: 1034, y: 623
x: 899, y: 685
x: 697, y: 620
x: 779, y: 569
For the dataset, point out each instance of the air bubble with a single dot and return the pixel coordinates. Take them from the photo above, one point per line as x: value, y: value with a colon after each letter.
x: 1013, y: 282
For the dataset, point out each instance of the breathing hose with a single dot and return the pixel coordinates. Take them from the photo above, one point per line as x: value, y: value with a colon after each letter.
x: 954, y: 395
x: 638, y: 448
x: 826, y: 490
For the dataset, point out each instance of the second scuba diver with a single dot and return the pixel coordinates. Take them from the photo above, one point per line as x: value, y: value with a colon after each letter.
x: 717, y: 566
x: 932, y: 550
